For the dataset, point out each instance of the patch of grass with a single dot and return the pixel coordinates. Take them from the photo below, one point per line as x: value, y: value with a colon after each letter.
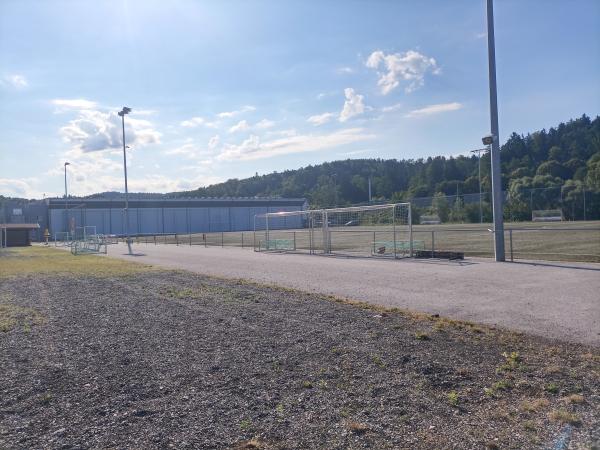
x: 534, y: 405
x: 252, y: 444
x: 44, y: 260
x: 280, y: 408
x: 322, y: 384
x: 245, y: 425
x: 452, y: 397
x: 377, y: 360
x: 574, y: 398
x: 357, y: 427
x: 46, y: 398
x: 551, y: 388
x: 306, y: 384
x: 512, y: 361
x: 13, y: 316
x: 421, y: 336
x: 564, y: 416
x: 529, y: 425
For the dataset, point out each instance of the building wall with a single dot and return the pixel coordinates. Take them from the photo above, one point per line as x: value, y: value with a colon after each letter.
x: 156, y: 220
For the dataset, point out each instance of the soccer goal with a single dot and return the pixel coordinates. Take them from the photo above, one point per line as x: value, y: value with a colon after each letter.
x: 62, y: 239
x: 374, y: 230
x: 547, y: 215
x: 83, y: 233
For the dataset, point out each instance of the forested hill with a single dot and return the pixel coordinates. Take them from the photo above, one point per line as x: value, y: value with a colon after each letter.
x: 567, y: 154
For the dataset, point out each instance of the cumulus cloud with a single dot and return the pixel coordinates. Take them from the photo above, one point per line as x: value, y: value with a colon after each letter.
x: 345, y: 70
x: 320, y: 119
x: 252, y: 148
x: 242, y: 125
x: 230, y: 114
x: 193, y: 122
x: 15, y: 187
x: 410, y: 67
x: 434, y: 109
x: 15, y: 81
x: 264, y: 124
x: 94, y: 131
x: 73, y: 103
x: 353, y: 105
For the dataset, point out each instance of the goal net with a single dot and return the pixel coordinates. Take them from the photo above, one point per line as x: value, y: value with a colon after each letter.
x: 547, y: 215
x: 84, y: 233
x: 375, y: 230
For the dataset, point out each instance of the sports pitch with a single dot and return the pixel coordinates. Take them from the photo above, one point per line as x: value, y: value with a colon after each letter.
x: 551, y: 241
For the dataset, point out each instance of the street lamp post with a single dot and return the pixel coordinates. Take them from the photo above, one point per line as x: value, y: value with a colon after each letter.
x: 478, y: 151
x: 122, y: 113
x: 493, y: 140
x: 66, y: 199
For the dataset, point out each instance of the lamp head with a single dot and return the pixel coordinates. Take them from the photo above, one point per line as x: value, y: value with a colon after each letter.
x: 124, y: 111
x: 488, y: 140
x: 67, y: 164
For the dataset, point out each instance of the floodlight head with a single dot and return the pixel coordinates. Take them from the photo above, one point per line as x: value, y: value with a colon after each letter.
x: 124, y: 111
x: 67, y: 164
x: 488, y: 140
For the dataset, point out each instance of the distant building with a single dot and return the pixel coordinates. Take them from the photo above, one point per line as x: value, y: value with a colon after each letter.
x: 156, y: 216
x: 17, y: 234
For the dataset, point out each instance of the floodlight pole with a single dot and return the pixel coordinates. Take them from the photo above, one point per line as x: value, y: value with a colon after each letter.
x: 66, y: 200
x: 495, y: 144
x: 122, y: 113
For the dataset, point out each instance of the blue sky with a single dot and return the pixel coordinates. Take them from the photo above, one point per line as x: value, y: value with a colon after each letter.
x: 230, y: 88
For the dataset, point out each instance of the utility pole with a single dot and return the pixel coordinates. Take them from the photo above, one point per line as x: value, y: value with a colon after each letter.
x: 493, y: 140
x: 66, y: 200
x: 122, y: 113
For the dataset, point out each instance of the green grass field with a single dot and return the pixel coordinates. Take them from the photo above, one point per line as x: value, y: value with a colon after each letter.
x: 552, y: 241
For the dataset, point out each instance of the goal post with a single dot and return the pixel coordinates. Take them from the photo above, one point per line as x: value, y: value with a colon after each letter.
x: 547, y: 215
x: 373, y: 230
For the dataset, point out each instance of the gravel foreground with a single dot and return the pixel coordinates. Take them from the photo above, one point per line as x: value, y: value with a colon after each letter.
x: 173, y: 359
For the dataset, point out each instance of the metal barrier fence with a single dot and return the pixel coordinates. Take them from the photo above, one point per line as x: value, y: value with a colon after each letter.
x: 560, y: 242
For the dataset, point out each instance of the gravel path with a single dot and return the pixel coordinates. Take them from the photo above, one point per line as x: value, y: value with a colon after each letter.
x: 177, y: 360
x: 553, y: 300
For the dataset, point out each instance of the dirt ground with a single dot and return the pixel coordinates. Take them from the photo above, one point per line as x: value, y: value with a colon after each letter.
x: 118, y: 355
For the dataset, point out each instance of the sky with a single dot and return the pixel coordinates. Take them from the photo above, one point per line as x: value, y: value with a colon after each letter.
x: 226, y: 89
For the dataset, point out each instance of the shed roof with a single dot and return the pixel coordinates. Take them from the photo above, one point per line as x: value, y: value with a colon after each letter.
x: 20, y: 226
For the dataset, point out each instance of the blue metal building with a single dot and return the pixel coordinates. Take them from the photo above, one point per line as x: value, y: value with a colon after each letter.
x: 156, y: 216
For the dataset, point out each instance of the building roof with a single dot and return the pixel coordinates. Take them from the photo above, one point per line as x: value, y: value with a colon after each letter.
x: 77, y: 203
x: 20, y: 226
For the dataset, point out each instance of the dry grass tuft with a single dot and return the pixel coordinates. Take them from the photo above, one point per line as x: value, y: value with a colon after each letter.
x: 564, y: 416
x: 14, y: 316
x: 534, y: 404
x: 357, y: 427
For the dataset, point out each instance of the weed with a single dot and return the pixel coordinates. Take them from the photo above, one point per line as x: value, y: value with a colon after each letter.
x: 534, y: 405
x: 322, y: 384
x: 574, y: 398
x: 357, y: 427
x: 252, y: 444
x: 377, y: 360
x: 564, y: 416
x: 453, y: 398
x: 552, y: 388
x: 279, y: 408
x: 13, y: 316
x: 421, y: 336
x: 46, y: 398
x: 245, y: 425
x: 512, y: 361
x: 307, y: 384
x: 529, y: 425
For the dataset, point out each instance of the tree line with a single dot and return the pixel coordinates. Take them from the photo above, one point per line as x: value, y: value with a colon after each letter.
x: 557, y: 168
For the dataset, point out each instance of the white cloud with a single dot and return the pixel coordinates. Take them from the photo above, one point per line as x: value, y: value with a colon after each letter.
x: 230, y: 114
x: 434, y: 109
x: 345, y: 70
x: 193, y: 122
x: 15, y: 81
x: 95, y: 131
x: 320, y: 119
x: 481, y: 35
x: 252, y: 148
x: 73, y: 103
x: 353, y: 105
x: 242, y: 125
x: 264, y: 124
x: 13, y: 187
x: 391, y: 108
x: 213, y: 141
x: 410, y: 66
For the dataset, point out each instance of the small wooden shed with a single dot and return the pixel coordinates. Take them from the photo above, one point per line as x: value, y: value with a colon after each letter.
x: 16, y: 234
